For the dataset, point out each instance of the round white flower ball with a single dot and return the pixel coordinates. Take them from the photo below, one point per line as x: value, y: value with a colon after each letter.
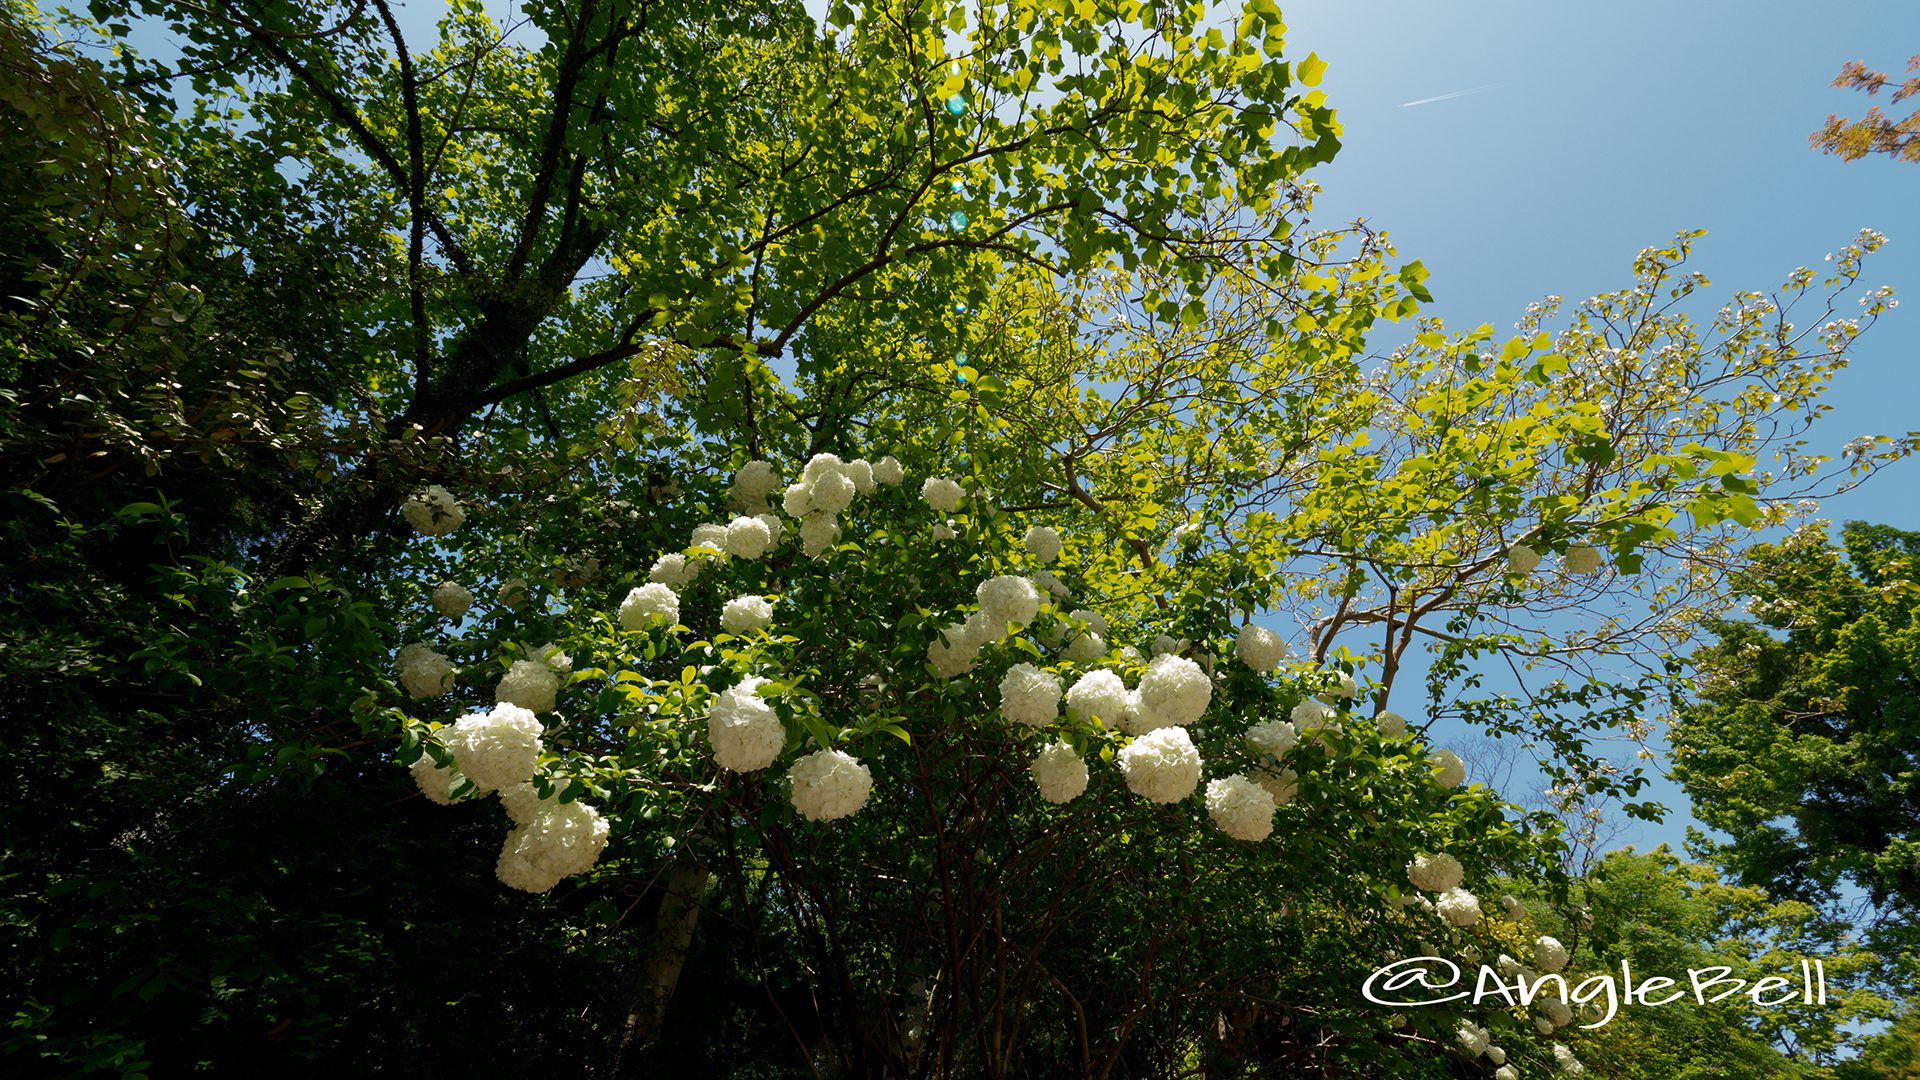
x: 941, y: 493
x: 495, y: 749
x: 888, y: 471
x: 1564, y: 1058
x: 1506, y: 1072
x: 860, y: 471
x: 818, y: 534
x: 1282, y: 784
x: 513, y: 594
x: 744, y: 731
x: 1583, y: 559
x: 433, y: 512
x: 1059, y: 773
x: 1512, y: 908
x: 747, y: 538
x: 522, y: 803
x: 1449, y: 771
x: 743, y: 615
x: 1496, y: 1055
x: 798, y: 500
x: 1259, y: 648
x: 675, y: 570
x: 650, y: 604
x: 1100, y: 697
x: 820, y: 465
x: 1391, y: 724
x: 1161, y: 765
x: 1174, y: 692
x: 1030, y: 696
x: 1273, y: 737
x: 832, y: 492
x: 530, y: 684
x: 954, y: 649
x: 829, y: 784
x: 1435, y: 873
x: 559, y: 841
x: 1471, y: 1037
x: 1522, y: 559
x: 1043, y: 543
x: 711, y: 537
x: 1548, y: 954
x: 753, y: 484
x: 1240, y: 808
x: 436, y: 781
x: 423, y: 672
x: 1458, y: 906
x: 452, y: 600
x: 1085, y: 648
x: 1007, y: 599
x: 1165, y: 643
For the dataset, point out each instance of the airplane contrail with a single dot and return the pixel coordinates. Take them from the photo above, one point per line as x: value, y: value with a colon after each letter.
x: 1450, y: 97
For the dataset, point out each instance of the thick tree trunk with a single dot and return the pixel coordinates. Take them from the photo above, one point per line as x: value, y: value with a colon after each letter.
x: 673, y: 930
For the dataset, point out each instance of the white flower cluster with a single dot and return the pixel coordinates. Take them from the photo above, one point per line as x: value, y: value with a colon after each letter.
x: 1089, y: 644
x: 1472, y: 1038
x: 1506, y: 1072
x: 1259, y: 648
x: 1548, y: 954
x: 1391, y: 724
x: 1458, y: 906
x: 1043, y: 543
x: 1059, y: 773
x: 1273, y: 738
x: 423, y: 672
x: 753, y: 486
x: 1099, y: 697
x: 649, y: 604
x: 452, y: 600
x: 1007, y: 600
x: 1030, y: 696
x: 1282, y: 784
x: 1240, y: 808
x: 513, y: 594
x: 745, y: 732
x: 556, y: 841
x: 744, y: 615
x: 888, y: 471
x: 533, y: 684
x: 1313, y: 720
x: 1173, y: 693
x: 495, y: 749
x: 941, y: 493
x: 675, y: 570
x: 433, y: 512
x: 436, y: 781
x: 1568, y: 1064
x: 1435, y: 873
x: 1522, y: 559
x: 1583, y: 559
x: 829, y: 784
x: 1449, y: 771
x: 825, y: 489
x: 1161, y: 765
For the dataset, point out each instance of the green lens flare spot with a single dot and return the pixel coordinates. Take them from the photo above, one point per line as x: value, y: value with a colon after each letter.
x: 956, y: 105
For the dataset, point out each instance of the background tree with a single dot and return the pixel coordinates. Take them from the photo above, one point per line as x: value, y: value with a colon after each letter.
x: 1874, y: 133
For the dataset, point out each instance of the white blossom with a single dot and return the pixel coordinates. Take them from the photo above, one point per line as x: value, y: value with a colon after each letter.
x: 1471, y: 1037
x: 1512, y: 908
x: 744, y: 731
x: 1085, y: 648
x: 831, y: 492
x: 753, y: 484
x: 560, y: 841
x: 1449, y: 771
x: 1093, y: 620
x: 1548, y: 954
x: 1282, y: 784
x: 1174, y: 692
x: 747, y: 538
x: 1273, y: 737
x: 1007, y: 599
x: 1043, y: 543
x: 1458, y: 906
x: 941, y: 493
x: 711, y: 537
x: 1522, y: 559
x: 495, y: 749
x: 452, y: 600
x: 530, y: 684
x: 1583, y: 559
x: 1044, y: 580
x: 743, y: 615
x: 774, y: 531
x: 1435, y: 873
x: 1030, y: 696
x: 1100, y: 697
x: 1496, y: 1055
x: 942, y: 531
x: 1259, y: 648
x: 650, y: 604
x: 423, y: 672
x: 675, y: 570
x: 1240, y: 807
x: 1543, y: 1025
x: 1163, y: 643
x: 433, y: 512
x: 1568, y: 1064
x: 829, y: 784
x: 436, y: 781
x: 888, y: 471
x: 513, y: 594
x: 1161, y: 765
x: 523, y: 803
x: 1506, y: 1072
x: 1059, y: 773
x: 798, y: 500
x: 818, y: 534
x: 860, y: 471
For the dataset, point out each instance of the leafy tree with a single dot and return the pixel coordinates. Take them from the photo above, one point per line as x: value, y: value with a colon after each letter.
x: 1802, y: 747
x: 1876, y: 132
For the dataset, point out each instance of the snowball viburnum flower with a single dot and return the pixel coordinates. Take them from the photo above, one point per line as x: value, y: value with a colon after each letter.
x: 1583, y: 559
x: 530, y: 684
x: 1161, y: 765
x: 1174, y: 692
x: 1435, y: 873
x: 1522, y: 559
x: 747, y: 538
x: 423, y: 672
x: 436, y: 781
x: 1282, y: 784
x: 1458, y: 906
x: 941, y: 493
x: 953, y: 651
x: 743, y: 615
x: 558, y: 842
x: 1240, y: 808
x: 452, y: 600
x: 1472, y: 1038
x: 744, y: 731
x: 513, y: 594
x: 495, y: 749
x: 818, y: 533
x: 711, y: 537
x: 888, y: 471
x: 1273, y: 737
x: 648, y: 605
x: 1030, y: 696
x: 1259, y: 648
x: 675, y: 570
x: 1391, y: 724
x: 433, y: 512
x: 829, y: 784
x: 753, y: 485
x: 1059, y: 773
x: 1449, y: 771
x: 1007, y: 599
x: 1043, y: 543
x: 1548, y: 954
x: 1099, y: 697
